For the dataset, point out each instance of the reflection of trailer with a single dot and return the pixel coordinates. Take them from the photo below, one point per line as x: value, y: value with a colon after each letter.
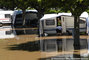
x: 6, y: 32
x: 64, y: 46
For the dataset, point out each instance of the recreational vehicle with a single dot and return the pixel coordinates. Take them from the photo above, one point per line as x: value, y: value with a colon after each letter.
x: 48, y: 23
x: 68, y: 23
x: 31, y: 15
x: 6, y: 17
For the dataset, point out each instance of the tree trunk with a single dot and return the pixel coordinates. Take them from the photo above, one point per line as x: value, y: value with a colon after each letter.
x: 40, y: 14
x: 76, y: 33
x: 23, y: 17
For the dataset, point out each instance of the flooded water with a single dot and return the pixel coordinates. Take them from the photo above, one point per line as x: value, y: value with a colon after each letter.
x: 63, y: 49
x: 7, y: 32
x: 24, y: 43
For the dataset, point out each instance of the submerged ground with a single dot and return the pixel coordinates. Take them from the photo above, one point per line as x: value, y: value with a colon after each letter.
x: 26, y: 45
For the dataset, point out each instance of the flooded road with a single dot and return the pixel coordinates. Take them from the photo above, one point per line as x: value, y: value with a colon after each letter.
x: 24, y: 43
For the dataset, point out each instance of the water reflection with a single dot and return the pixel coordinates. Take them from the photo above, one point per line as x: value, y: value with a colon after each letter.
x: 10, y: 31
x: 7, y: 32
x: 25, y: 31
x: 63, y: 49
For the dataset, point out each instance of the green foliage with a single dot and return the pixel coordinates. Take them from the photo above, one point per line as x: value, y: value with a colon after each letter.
x: 75, y: 6
x: 22, y: 4
x: 87, y: 11
x: 8, y: 4
x: 53, y: 11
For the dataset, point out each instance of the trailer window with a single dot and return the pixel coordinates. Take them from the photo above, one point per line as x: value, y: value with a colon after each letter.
x: 7, y: 16
x: 50, y: 22
x: 82, y: 21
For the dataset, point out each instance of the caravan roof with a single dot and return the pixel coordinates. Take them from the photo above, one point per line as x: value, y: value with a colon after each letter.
x: 47, y: 16
x: 20, y: 11
x: 84, y: 14
x: 6, y: 12
x: 67, y: 14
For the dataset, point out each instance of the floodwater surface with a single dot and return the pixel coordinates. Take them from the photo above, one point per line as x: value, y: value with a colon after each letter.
x: 24, y: 44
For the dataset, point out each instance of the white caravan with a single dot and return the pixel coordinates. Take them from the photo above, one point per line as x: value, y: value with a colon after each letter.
x: 68, y: 23
x: 6, y: 17
x: 48, y: 23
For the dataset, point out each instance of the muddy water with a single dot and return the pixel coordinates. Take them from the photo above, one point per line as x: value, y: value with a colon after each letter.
x: 26, y: 45
x: 62, y: 48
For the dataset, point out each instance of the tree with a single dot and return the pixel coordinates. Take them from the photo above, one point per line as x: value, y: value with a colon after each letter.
x: 43, y: 5
x: 23, y: 5
x: 7, y: 4
x: 76, y: 7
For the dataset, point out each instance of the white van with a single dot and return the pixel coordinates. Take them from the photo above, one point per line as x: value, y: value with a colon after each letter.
x: 6, y: 17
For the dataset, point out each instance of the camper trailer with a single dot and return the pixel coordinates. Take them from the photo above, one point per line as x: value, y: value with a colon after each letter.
x: 31, y: 15
x: 68, y: 24
x: 48, y: 23
x: 6, y: 17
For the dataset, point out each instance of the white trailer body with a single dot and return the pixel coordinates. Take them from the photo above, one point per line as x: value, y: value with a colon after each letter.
x: 48, y: 24
x: 68, y: 24
x: 6, y: 17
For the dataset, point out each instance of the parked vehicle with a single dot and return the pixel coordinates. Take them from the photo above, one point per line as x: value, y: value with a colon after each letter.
x: 68, y: 24
x: 30, y: 16
x: 6, y: 17
x: 48, y: 23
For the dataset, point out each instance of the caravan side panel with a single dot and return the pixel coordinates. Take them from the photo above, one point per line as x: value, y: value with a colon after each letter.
x: 68, y: 24
x: 50, y: 25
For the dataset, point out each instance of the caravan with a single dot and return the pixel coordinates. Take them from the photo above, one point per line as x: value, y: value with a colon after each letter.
x: 30, y: 16
x: 68, y: 23
x: 48, y: 23
x: 6, y: 17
